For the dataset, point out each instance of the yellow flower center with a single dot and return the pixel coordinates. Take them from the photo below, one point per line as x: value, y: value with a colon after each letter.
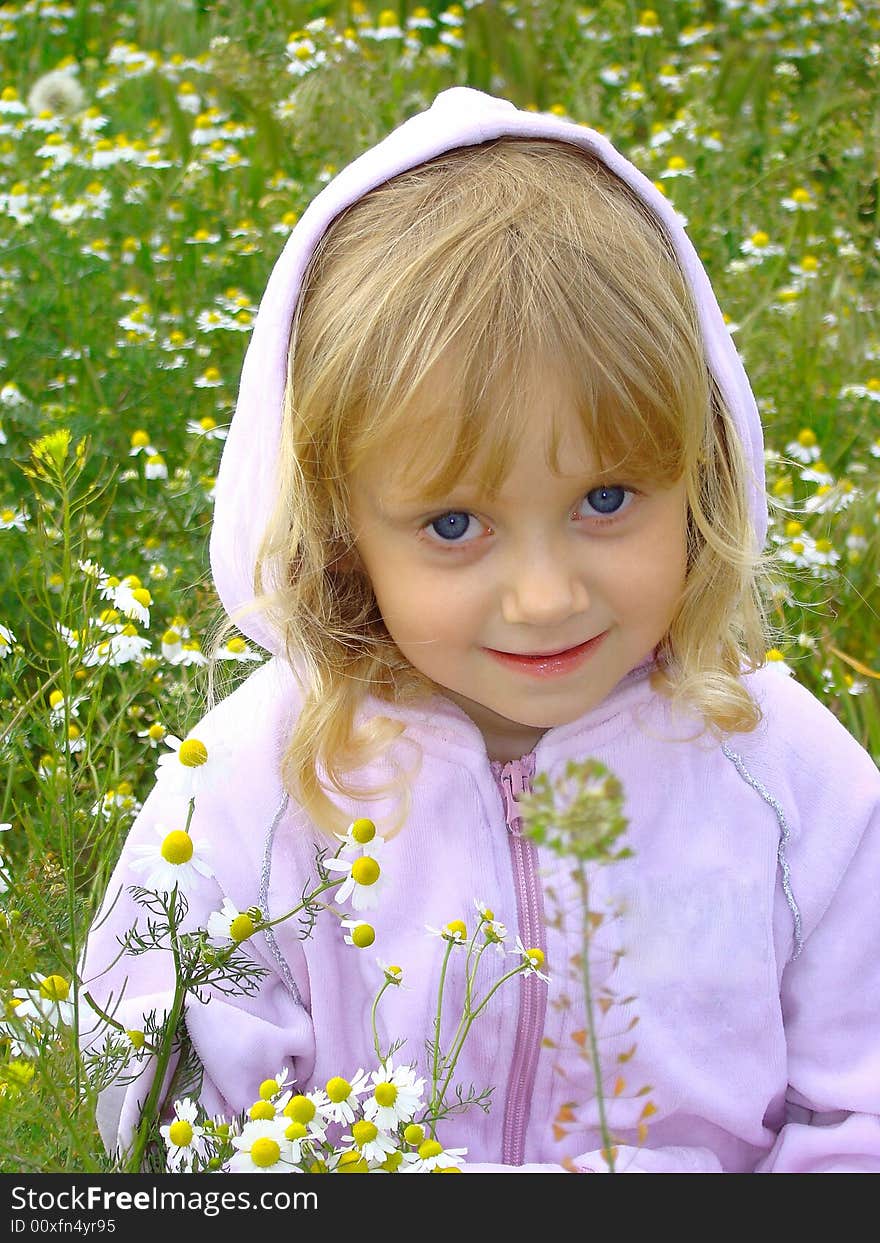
x: 139, y: 440
x: 363, y: 831
x: 430, y: 1148
x: 793, y: 528
x: 364, y: 1132
x: 824, y: 545
x: 193, y: 753
x: 236, y: 645
x: 775, y: 654
x: 265, y: 1152
x: 142, y: 596
x: 352, y: 1163
x: 385, y: 1094
x: 300, y: 1108
x: 392, y: 1162
x: 54, y: 988
x: 296, y: 1130
x: 261, y: 1110
x: 535, y: 957
x: 338, y: 1089
x: 156, y: 732
x: 240, y: 929
x: 363, y: 936
x: 180, y: 1133
x: 170, y: 637
x: 56, y: 698
x: 456, y: 929
x: 760, y: 238
x: 414, y: 1134
x: 807, y: 438
x: 177, y: 847
x: 268, y: 1088
x: 137, y: 1038
x: 365, y: 871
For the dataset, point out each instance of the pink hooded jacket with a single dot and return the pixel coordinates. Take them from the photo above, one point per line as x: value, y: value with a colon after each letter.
x: 747, y: 996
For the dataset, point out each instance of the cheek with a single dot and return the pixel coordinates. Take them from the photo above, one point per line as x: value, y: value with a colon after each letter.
x: 652, y: 575
x: 426, y: 605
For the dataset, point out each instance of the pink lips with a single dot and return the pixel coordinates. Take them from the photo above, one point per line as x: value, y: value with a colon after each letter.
x: 551, y: 664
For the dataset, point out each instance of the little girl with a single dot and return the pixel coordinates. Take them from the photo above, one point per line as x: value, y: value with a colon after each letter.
x: 493, y: 498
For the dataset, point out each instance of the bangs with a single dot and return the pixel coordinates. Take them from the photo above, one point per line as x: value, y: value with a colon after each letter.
x: 463, y: 421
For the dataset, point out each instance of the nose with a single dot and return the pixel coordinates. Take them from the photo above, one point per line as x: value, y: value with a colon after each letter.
x: 543, y: 588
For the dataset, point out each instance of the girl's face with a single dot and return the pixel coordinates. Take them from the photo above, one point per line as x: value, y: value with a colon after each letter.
x: 553, y: 562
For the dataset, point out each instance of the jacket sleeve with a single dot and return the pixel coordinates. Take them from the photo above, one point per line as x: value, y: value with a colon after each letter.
x: 831, y: 1007
x: 239, y: 1039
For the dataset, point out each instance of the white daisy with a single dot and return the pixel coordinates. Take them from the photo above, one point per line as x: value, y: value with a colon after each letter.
x: 181, y: 1137
x: 16, y: 518
x: 370, y: 1141
x: 455, y: 931
x: 48, y: 1001
x: 534, y: 958
x: 237, y: 649
x: 230, y: 926
x: 4, y: 875
x: 262, y: 1148
x: 7, y: 639
x: 190, y: 766
x: 432, y: 1155
x: 363, y: 881
x: 360, y: 934
x: 361, y: 838
x: 396, y: 1096
x: 309, y: 1109
x: 342, y: 1098
x: 175, y: 859
x: 776, y: 661
x: 133, y: 602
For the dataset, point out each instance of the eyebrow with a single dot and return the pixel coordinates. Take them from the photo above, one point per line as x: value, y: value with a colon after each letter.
x: 465, y: 494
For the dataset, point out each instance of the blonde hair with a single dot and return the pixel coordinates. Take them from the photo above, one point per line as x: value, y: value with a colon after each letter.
x: 491, y: 257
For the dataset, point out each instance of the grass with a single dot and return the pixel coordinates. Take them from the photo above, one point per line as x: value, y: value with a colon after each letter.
x: 137, y: 231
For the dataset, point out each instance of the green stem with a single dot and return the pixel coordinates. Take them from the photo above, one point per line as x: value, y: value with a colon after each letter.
x: 373, y: 1023
x: 470, y: 1016
x: 114, y: 1023
x: 270, y: 923
x: 152, y: 1104
x: 435, y: 1069
x: 591, y: 1023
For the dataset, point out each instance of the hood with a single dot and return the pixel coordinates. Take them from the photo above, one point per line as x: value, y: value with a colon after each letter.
x: 458, y: 117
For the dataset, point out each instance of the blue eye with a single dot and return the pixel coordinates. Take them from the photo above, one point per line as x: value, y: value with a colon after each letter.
x: 451, y: 526
x: 606, y: 500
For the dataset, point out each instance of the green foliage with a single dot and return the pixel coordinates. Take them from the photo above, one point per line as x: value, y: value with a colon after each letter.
x: 133, y: 255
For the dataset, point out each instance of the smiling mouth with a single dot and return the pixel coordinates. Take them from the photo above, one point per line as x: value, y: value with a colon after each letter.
x: 561, y: 651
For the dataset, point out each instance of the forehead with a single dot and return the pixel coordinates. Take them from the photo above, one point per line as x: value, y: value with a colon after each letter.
x: 449, y: 439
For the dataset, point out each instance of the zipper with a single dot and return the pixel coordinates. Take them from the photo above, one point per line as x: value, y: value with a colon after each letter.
x: 514, y: 778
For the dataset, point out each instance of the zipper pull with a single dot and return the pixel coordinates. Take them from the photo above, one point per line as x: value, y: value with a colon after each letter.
x: 515, y: 780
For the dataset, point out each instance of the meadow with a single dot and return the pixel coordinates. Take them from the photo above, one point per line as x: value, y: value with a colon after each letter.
x: 153, y: 159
